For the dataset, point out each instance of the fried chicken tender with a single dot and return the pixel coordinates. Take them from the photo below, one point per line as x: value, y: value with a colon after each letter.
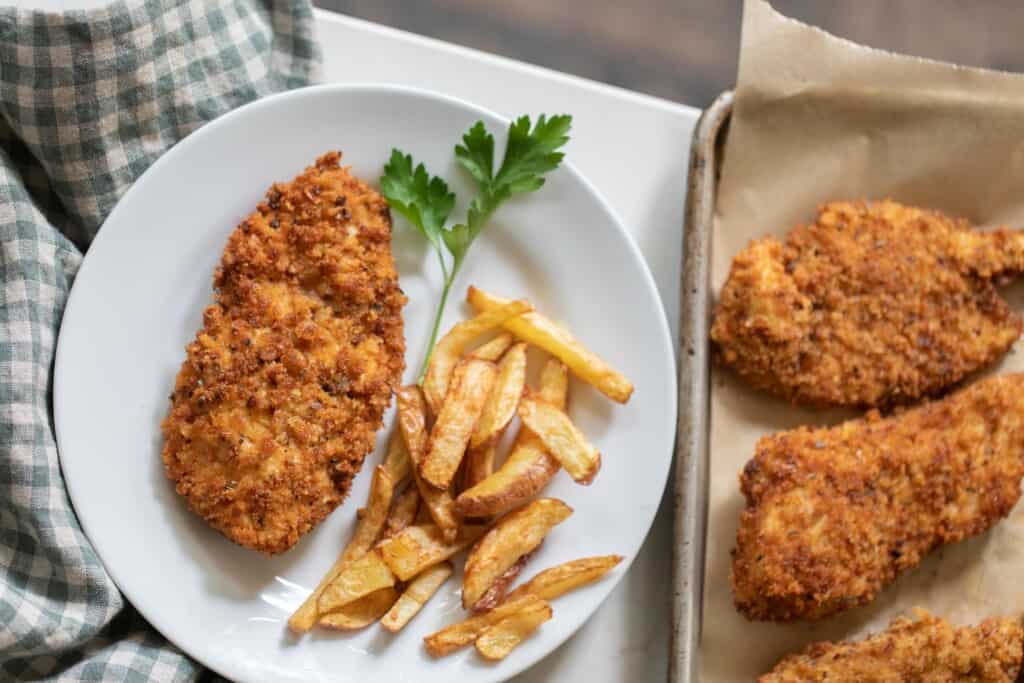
x: 925, y: 650
x: 286, y: 384
x: 835, y: 514
x: 873, y: 304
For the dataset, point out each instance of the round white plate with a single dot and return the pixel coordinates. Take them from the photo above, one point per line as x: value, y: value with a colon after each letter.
x: 137, y: 302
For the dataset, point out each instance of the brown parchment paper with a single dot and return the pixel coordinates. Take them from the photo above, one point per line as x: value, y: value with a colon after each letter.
x: 818, y: 118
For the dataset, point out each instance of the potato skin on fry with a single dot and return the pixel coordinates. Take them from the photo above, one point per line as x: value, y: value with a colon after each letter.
x: 925, y: 650
x: 835, y: 514
x: 528, y: 467
x: 556, y: 581
x: 516, y: 534
x: 458, y: 635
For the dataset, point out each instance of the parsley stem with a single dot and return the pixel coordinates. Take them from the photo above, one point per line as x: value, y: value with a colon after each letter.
x: 437, y: 324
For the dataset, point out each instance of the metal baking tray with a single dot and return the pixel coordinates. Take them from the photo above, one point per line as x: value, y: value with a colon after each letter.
x: 691, y: 462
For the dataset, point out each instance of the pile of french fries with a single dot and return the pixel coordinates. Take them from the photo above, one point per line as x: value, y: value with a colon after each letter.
x: 441, y: 491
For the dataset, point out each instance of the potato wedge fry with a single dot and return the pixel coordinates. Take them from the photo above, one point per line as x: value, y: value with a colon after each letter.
x: 415, y: 596
x: 537, y: 330
x: 403, y: 512
x: 514, y: 535
x: 562, y: 438
x: 371, y: 523
x: 418, y: 547
x: 562, y: 578
x: 367, y: 530
x: 479, y: 465
x: 459, y: 414
x: 499, y: 640
x: 362, y: 612
x: 357, y: 578
x: 458, y: 635
x: 528, y: 467
x: 449, y: 348
x: 493, y: 596
x: 397, y: 461
x: 412, y: 421
x: 554, y: 383
x: 501, y: 404
x: 493, y: 349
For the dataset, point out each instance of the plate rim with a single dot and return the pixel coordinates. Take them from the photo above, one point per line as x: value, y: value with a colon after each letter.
x: 61, y: 370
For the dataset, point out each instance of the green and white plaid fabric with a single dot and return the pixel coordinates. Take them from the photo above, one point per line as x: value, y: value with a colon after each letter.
x: 88, y: 100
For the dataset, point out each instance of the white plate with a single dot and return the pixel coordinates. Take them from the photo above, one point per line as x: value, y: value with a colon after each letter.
x: 137, y: 301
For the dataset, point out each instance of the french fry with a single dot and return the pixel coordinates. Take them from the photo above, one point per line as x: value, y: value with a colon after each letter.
x: 471, y: 383
x: 499, y: 640
x: 362, y: 612
x: 458, y: 635
x: 562, y: 578
x: 412, y: 421
x: 528, y: 468
x: 397, y: 461
x: 562, y: 438
x: 535, y: 329
x: 514, y: 535
x: 501, y: 404
x: 415, y: 596
x: 493, y: 596
x: 416, y: 548
x: 375, y: 514
x: 493, y: 349
x: 403, y: 512
x: 479, y: 465
x: 449, y: 348
x: 367, y: 530
x: 357, y: 578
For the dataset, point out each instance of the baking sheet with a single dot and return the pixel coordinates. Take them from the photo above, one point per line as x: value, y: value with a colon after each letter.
x: 817, y: 118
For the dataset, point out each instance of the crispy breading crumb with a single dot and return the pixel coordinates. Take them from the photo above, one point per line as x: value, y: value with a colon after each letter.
x: 873, y: 304
x: 835, y: 514
x: 285, y: 386
x: 925, y: 650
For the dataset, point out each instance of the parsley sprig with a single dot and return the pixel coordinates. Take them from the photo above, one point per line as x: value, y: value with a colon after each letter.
x: 425, y: 201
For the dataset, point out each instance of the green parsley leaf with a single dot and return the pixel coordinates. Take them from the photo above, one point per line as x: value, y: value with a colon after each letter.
x: 476, y: 153
x: 425, y: 201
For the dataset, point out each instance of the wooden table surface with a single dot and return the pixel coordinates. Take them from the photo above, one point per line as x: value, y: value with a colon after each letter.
x: 685, y: 50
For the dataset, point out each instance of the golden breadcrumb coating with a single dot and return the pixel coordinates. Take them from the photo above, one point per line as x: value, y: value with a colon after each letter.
x: 286, y: 384
x: 835, y: 514
x: 873, y: 304
x: 925, y: 650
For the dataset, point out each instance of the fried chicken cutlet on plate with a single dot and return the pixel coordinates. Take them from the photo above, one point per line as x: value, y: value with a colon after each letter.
x: 924, y: 650
x: 874, y: 303
x: 285, y: 386
x: 835, y: 514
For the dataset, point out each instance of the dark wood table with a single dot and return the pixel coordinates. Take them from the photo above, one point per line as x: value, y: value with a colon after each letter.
x: 685, y: 50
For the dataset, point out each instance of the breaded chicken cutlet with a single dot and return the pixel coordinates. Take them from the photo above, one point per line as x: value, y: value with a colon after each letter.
x: 835, y: 514
x: 873, y: 304
x: 285, y: 386
x: 925, y: 650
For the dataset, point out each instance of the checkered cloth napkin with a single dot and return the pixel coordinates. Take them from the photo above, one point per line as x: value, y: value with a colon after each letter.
x: 88, y: 100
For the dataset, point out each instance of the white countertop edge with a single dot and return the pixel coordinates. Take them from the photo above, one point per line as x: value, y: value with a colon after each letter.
x: 506, y: 63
